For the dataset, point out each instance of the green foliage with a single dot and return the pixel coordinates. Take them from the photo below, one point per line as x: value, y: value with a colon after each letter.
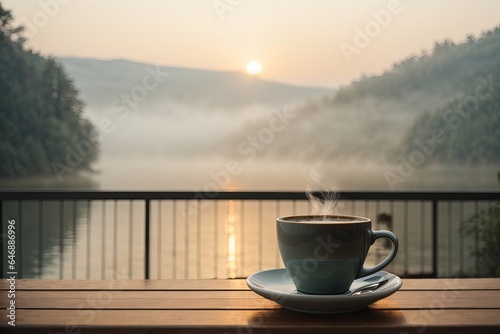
x: 407, y: 103
x: 470, y: 127
x: 41, y: 118
x: 5, y: 28
x: 448, y: 70
x: 469, y: 124
x: 486, y: 224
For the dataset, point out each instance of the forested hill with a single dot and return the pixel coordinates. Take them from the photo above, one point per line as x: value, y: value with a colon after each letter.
x: 448, y: 70
x: 469, y: 125
x: 465, y: 132
x: 377, y: 118
x: 42, y: 127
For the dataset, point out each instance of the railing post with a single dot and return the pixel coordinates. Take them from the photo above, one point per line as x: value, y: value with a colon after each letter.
x: 146, y: 238
x: 1, y: 239
x: 435, y: 238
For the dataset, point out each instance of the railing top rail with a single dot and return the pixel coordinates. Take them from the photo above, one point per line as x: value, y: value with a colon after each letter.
x: 243, y: 195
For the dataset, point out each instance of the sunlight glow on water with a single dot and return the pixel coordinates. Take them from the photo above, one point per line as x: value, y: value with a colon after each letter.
x: 231, y: 239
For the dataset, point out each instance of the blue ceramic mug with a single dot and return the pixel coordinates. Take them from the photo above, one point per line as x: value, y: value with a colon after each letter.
x: 325, y: 254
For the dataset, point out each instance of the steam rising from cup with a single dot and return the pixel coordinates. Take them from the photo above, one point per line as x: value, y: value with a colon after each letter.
x: 324, y: 194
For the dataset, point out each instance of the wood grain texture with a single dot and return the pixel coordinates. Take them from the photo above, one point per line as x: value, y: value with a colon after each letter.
x: 228, y: 306
x: 457, y: 299
x: 238, y: 321
x: 187, y: 284
x: 230, y: 284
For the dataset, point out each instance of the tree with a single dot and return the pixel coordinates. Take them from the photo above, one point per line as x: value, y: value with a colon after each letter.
x: 487, y: 225
x: 5, y: 27
x: 41, y: 115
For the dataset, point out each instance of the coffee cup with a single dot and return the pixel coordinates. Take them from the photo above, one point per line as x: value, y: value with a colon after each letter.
x: 324, y: 254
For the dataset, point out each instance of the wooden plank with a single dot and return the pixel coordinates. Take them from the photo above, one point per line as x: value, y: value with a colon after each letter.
x: 150, y: 304
x: 229, y: 284
x: 456, y: 299
x: 430, y: 305
x: 444, y: 299
x: 125, y: 284
x: 139, y: 300
x: 376, y: 321
x: 451, y: 284
x: 142, y: 295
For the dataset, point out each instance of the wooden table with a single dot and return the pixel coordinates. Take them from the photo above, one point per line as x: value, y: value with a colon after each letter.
x: 228, y: 306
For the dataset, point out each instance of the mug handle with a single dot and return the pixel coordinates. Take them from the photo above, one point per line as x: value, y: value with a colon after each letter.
x: 395, y: 245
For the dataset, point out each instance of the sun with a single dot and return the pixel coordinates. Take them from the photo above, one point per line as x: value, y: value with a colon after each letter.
x: 254, y: 67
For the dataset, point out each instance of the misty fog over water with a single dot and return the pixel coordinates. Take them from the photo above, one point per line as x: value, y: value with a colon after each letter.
x: 122, y: 173
x: 181, y: 147
x: 190, y: 129
x: 189, y: 147
x: 191, y: 150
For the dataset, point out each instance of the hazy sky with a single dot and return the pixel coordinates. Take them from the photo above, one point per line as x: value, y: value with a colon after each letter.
x: 306, y: 42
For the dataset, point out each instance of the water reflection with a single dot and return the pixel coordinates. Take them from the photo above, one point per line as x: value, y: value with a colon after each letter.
x: 46, y: 234
x: 97, y: 239
x: 51, y: 182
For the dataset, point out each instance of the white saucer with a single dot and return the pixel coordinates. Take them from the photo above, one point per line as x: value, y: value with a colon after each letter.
x: 276, y: 285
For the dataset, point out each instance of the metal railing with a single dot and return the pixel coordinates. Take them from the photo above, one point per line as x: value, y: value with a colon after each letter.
x: 426, y: 223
